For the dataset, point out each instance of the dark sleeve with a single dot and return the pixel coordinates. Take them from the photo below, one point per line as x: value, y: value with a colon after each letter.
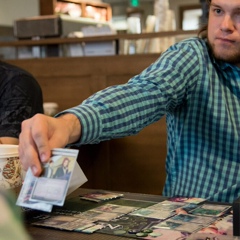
x: 21, y: 98
x: 59, y: 173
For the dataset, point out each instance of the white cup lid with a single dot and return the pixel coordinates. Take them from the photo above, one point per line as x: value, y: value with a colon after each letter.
x: 8, y: 150
x: 50, y: 105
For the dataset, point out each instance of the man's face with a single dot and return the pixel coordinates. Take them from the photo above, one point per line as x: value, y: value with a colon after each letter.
x: 224, y: 30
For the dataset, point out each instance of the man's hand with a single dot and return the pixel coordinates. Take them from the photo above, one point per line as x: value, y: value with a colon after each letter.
x: 40, y: 134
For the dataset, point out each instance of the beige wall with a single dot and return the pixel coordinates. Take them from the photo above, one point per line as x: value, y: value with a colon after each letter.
x: 14, y: 9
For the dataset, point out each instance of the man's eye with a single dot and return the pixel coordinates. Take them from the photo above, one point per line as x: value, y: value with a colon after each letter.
x: 217, y: 11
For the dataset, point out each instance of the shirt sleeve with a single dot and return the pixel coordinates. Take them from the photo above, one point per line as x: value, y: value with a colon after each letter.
x: 124, y: 110
x: 21, y: 98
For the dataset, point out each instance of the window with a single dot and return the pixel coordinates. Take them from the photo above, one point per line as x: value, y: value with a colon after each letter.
x: 190, y: 17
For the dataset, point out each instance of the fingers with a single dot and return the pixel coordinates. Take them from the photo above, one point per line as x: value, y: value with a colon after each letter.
x: 40, y: 134
x: 33, y: 144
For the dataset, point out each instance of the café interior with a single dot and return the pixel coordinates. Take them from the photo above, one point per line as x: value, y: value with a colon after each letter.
x: 75, y: 48
x: 63, y: 44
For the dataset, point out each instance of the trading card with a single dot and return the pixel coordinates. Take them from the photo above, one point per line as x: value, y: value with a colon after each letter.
x: 65, y: 223
x: 50, y: 191
x: 187, y: 208
x: 185, y: 227
x: 211, y: 210
x: 78, y: 179
x: 189, y: 227
x: 187, y: 200
x: 167, y: 225
x: 52, y: 186
x: 62, y: 222
x: 25, y: 193
x: 97, y: 215
x: 115, y: 208
x: 222, y: 226
x: 129, y: 224
x: 55, y: 221
x: 193, y: 218
x: 84, y: 224
x: 79, y: 223
x: 167, y: 205
x: 163, y: 234
x: 110, y: 225
x: 228, y: 218
x: 92, y: 229
x: 152, y: 213
x: 101, y: 196
x: 210, y: 236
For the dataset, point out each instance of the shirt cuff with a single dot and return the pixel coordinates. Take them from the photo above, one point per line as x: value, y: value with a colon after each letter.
x: 90, y: 123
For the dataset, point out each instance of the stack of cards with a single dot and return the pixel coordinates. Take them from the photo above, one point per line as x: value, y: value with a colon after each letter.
x: 61, y: 175
x: 101, y: 196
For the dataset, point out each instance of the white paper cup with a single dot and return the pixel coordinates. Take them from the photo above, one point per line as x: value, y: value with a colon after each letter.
x: 50, y: 108
x: 11, y: 174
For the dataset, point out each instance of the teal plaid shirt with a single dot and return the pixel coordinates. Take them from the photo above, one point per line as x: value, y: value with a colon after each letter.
x: 201, y: 100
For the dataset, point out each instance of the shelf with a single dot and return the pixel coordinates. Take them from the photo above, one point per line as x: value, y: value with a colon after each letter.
x: 115, y: 37
x: 107, y: 45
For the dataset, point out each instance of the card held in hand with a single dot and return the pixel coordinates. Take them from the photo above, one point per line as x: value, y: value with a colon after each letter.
x: 53, y: 185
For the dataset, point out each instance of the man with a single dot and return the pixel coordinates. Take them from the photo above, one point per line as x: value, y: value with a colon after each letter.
x: 196, y: 84
x: 20, y: 99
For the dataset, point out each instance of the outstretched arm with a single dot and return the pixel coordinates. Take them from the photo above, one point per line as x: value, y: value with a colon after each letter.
x: 41, y: 133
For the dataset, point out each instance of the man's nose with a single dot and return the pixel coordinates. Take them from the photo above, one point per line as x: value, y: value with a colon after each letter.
x: 227, y: 23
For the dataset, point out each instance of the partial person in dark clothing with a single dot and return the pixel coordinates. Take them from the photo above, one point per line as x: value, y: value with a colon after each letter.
x: 20, y: 99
